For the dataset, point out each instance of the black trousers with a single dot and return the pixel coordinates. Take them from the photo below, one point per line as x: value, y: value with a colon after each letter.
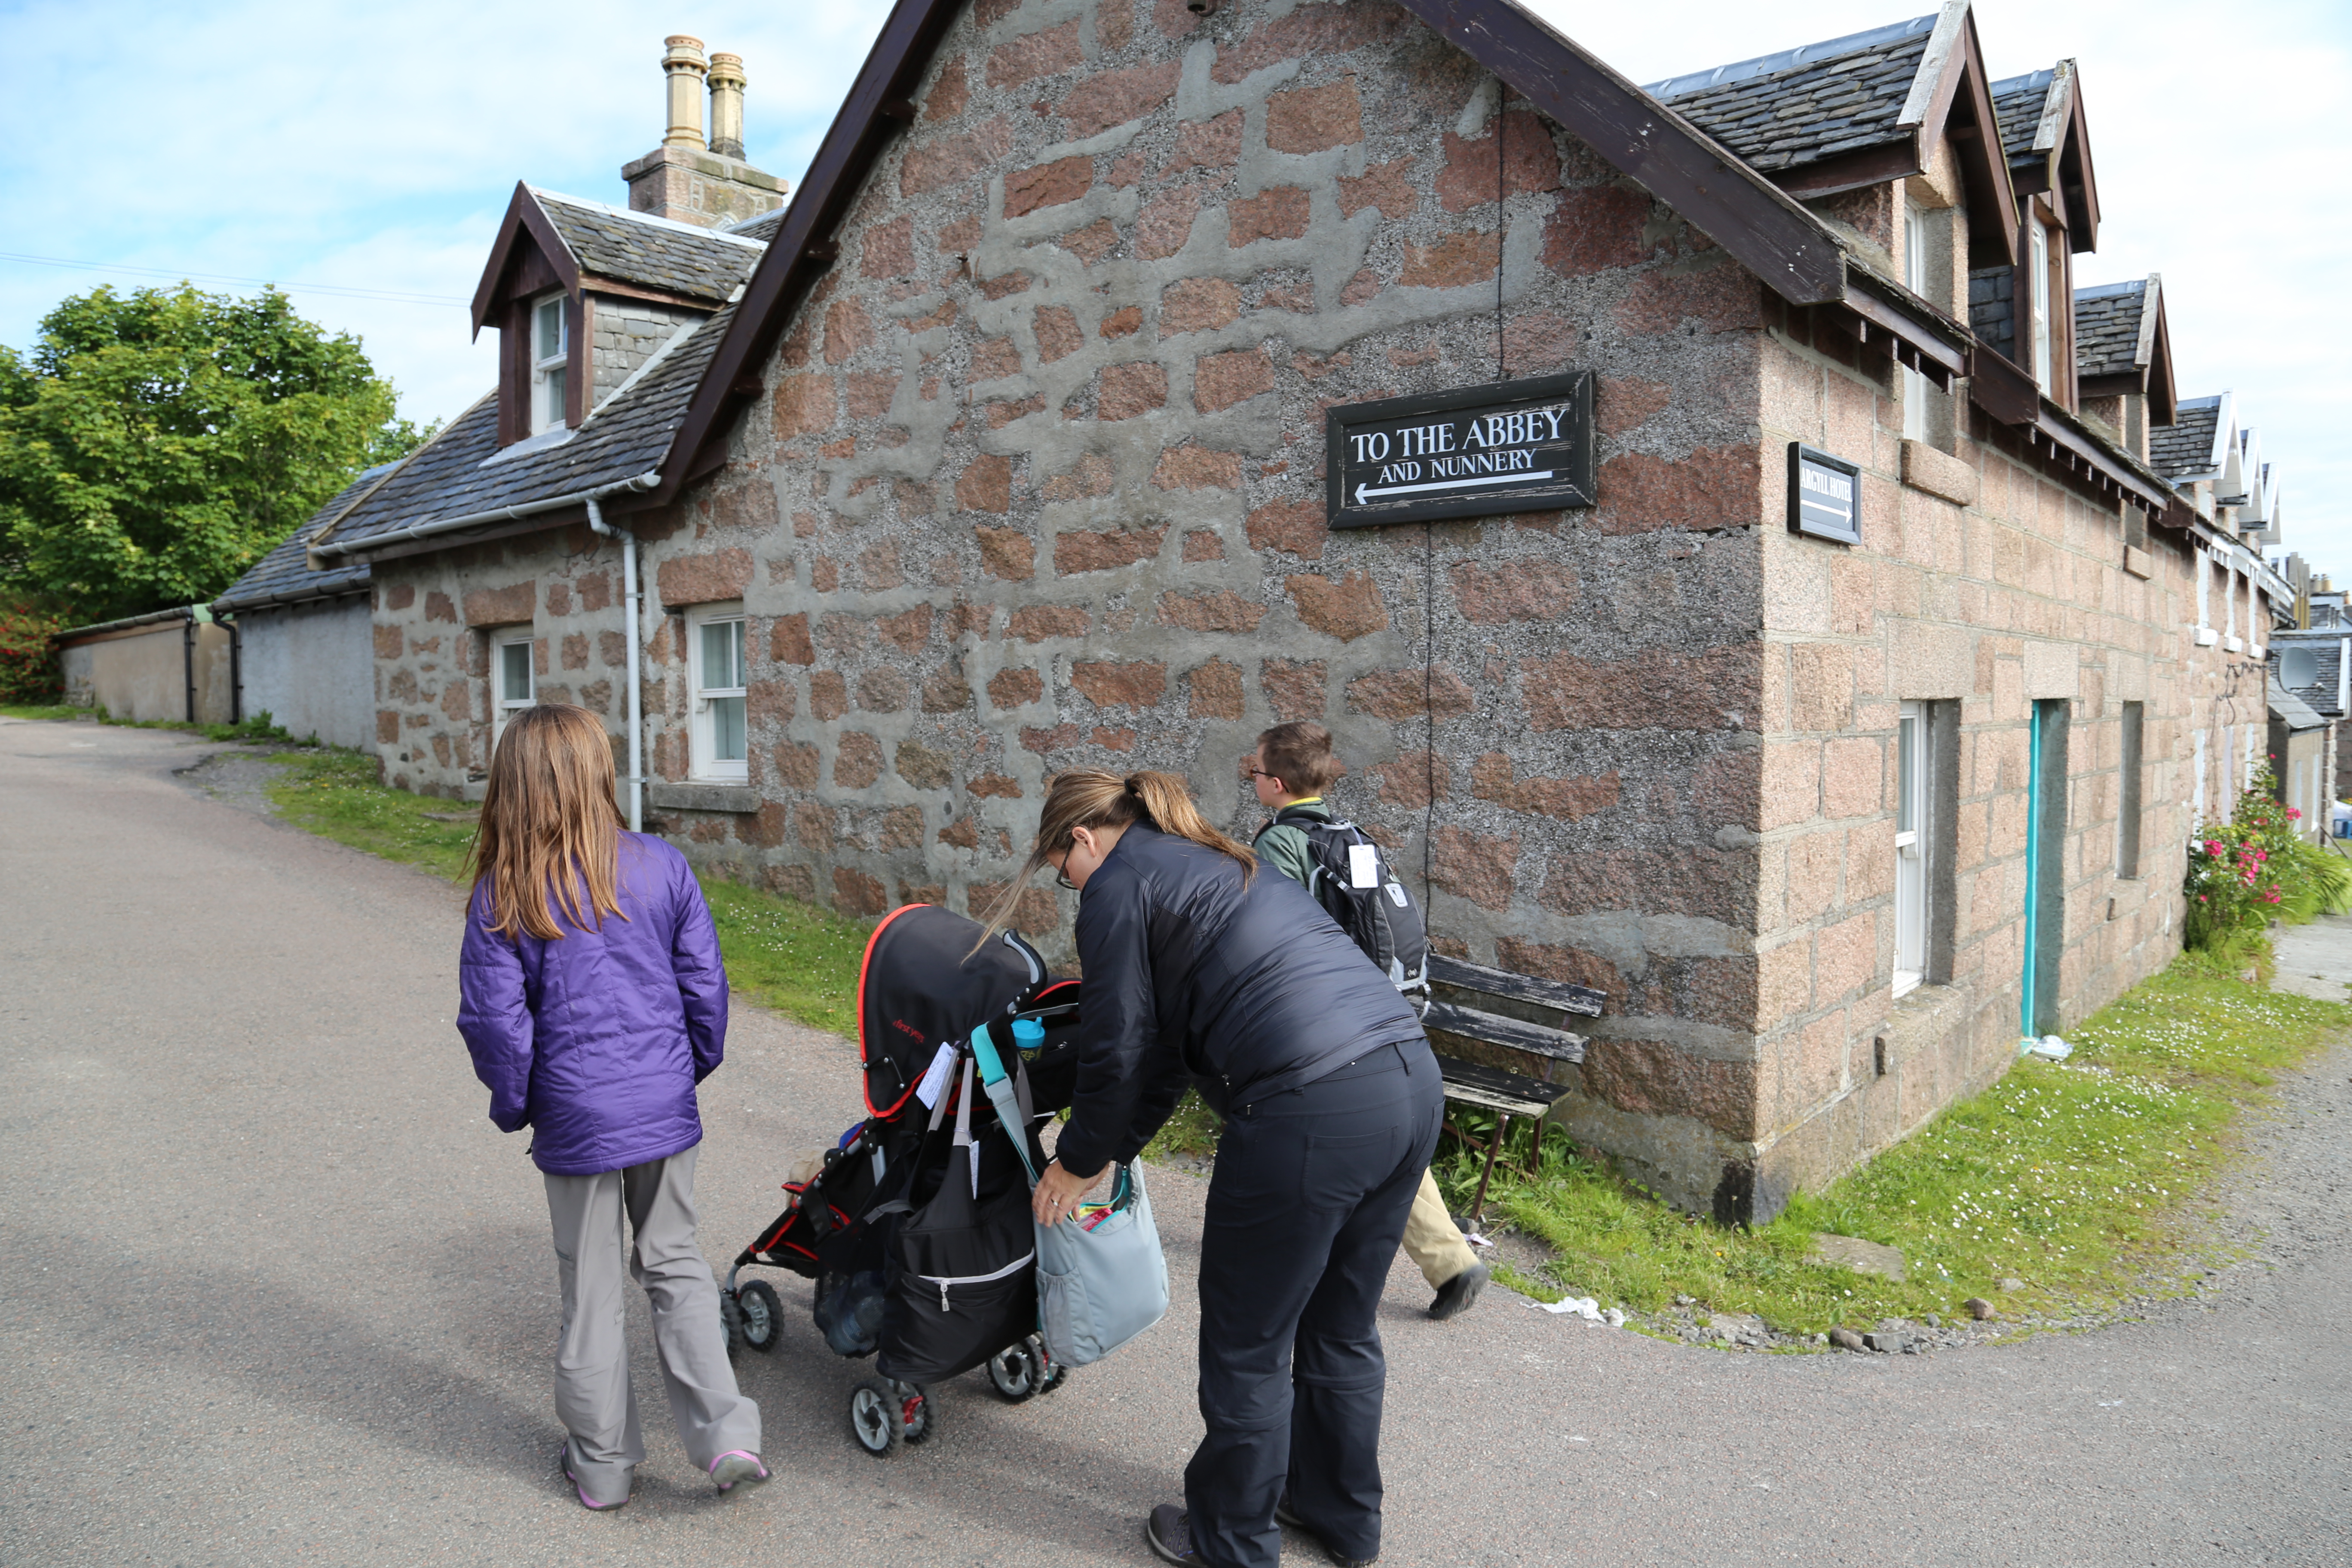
x: 1304, y: 1213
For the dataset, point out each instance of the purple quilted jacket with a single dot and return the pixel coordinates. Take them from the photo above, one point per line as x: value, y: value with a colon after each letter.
x: 596, y: 1040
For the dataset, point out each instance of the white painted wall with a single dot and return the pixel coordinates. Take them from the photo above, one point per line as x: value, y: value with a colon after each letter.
x: 311, y: 667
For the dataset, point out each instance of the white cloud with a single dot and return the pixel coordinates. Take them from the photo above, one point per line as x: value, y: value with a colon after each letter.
x: 355, y: 145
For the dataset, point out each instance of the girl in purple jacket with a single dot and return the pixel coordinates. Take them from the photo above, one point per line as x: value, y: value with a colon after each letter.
x: 593, y: 999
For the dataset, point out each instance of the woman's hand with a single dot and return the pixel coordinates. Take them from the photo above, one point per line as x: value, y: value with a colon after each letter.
x: 1059, y: 1192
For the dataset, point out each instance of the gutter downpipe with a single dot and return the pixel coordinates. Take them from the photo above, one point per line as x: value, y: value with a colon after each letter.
x: 632, y: 596
x: 2033, y: 872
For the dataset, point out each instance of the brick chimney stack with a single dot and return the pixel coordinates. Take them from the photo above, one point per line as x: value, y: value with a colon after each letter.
x: 689, y: 179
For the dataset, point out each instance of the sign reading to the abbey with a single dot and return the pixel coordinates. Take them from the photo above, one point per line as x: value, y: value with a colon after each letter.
x: 1509, y: 445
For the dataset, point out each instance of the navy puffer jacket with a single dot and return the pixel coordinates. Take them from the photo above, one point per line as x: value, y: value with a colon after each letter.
x: 595, y: 1040
x: 1247, y: 990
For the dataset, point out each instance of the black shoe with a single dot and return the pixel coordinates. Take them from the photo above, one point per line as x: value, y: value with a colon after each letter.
x: 1456, y: 1295
x: 1284, y: 1514
x: 1169, y: 1532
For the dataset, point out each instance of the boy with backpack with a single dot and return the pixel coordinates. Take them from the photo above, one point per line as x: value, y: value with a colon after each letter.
x: 1350, y: 878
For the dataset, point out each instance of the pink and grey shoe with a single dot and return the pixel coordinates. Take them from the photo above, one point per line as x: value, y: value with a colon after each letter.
x: 564, y: 1459
x: 736, y: 1465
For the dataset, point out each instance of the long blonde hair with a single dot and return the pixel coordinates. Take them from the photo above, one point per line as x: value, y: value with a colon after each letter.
x: 550, y: 824
x: 1094, y: 797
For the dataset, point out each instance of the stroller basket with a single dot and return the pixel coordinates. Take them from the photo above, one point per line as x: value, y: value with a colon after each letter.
x: 913, y: 1226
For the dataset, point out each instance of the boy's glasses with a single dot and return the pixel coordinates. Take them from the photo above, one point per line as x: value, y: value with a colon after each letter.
x: 1256, y: 773
x: 1061, y: 880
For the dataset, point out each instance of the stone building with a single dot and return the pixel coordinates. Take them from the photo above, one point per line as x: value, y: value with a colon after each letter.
x: 1014, y: 452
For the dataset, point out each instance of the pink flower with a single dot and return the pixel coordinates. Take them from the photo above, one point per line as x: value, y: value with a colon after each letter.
x: 2212, y: 846
x: 2294, y: 813
x: 2273, y: 896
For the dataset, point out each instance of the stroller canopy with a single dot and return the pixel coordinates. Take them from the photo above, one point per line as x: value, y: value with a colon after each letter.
x: 923, y: 982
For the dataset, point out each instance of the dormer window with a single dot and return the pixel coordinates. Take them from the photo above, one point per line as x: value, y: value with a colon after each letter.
x: 550, y: 352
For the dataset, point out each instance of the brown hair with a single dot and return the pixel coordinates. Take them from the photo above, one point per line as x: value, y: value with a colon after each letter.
x: 1092, y: 797
x: 550, y: 824
x: 1299, y: 754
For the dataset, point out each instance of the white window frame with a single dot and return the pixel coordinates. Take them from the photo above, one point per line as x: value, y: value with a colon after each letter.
x: 704, y: 727
x: 1912, y: 743
x: 504, y: 705
x: 1914, y: 277
x: 2038, y: 262
x: 550, y: 365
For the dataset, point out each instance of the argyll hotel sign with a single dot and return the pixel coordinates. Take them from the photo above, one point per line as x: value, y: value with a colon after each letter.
x: 1511, y: 446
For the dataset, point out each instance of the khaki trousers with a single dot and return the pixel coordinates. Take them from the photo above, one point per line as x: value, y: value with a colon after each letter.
x: 594, y: 1396
x: 1432, y: 1239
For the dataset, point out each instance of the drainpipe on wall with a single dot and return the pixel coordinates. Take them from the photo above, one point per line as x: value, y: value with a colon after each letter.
x: 2026, y: 1033
x: 236, y: 671
x: 188, y: 661
x: 632, y: 596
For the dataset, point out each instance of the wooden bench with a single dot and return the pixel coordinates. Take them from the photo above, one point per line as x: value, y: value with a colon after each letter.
x: 1487, y: 1023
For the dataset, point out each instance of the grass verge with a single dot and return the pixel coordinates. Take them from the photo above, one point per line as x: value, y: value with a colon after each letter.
x: 39, y: 711
x: 2081, y: 1180
x: 797, y: 959
x: 334, y: 793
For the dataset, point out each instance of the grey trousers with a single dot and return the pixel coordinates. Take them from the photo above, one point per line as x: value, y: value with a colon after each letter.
x: 592, y: 1393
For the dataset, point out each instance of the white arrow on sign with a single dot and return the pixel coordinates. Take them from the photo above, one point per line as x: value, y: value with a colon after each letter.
x: 1363, y: 491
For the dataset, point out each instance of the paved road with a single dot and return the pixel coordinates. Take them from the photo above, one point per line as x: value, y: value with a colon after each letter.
x: 273, y: 1291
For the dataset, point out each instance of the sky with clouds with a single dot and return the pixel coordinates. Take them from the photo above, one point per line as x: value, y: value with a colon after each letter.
x: 362, y: 156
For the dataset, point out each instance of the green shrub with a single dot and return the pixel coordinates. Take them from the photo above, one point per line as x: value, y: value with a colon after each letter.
x: 29, y: 676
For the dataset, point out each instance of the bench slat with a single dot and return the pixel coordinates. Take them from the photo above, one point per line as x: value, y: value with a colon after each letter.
x: 1560, y: 993
x: 1513, y: 1034
x: 1475, y: 1083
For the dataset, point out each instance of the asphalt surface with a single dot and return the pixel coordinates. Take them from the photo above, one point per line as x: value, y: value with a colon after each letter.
x: 272, y: 1290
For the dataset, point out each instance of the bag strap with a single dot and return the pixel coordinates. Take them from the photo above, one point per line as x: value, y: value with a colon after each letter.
x: 1002, y: 1094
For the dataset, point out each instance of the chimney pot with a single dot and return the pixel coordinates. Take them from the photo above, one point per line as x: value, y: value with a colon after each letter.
x: 727, y: 105
x: 683, y: 64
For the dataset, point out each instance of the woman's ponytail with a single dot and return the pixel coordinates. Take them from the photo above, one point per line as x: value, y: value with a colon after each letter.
x: 1092, y: 797
x: 1167, y: 800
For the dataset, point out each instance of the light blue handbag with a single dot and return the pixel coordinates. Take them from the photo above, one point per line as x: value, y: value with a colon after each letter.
x: 1101, y: 1277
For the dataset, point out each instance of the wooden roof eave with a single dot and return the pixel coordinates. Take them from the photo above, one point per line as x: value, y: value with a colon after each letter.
x: 523, y: 214
x: 2006, y: 393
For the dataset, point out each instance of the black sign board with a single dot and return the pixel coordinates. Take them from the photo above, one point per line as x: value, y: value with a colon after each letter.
x: 1824, y: 495
x: 1508, y: 445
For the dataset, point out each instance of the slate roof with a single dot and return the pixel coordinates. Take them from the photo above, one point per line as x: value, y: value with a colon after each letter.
x: 625, y: 436
x: 762, y: 228
x: 2186, y: 446
x: 1802, y: 105
x: 2294, y: 710
x: 634, y: 248
x: 2325, y: 648
x: 2106, y: 328
x: 284, y: 575
x: 2019, y: 103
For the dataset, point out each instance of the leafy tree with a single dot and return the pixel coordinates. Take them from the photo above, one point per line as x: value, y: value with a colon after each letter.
x: 155, y: 443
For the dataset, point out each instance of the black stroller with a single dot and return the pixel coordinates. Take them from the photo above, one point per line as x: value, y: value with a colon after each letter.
x: 915, y: 1226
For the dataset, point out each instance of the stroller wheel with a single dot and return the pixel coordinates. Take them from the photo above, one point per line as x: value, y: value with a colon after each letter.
x: 760, y: 1314
x: 875, y: 1420
x: 1055, y: 1373
x: 730, y: 1321
x: 918, y: 1417
x: 1015, y: 1372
